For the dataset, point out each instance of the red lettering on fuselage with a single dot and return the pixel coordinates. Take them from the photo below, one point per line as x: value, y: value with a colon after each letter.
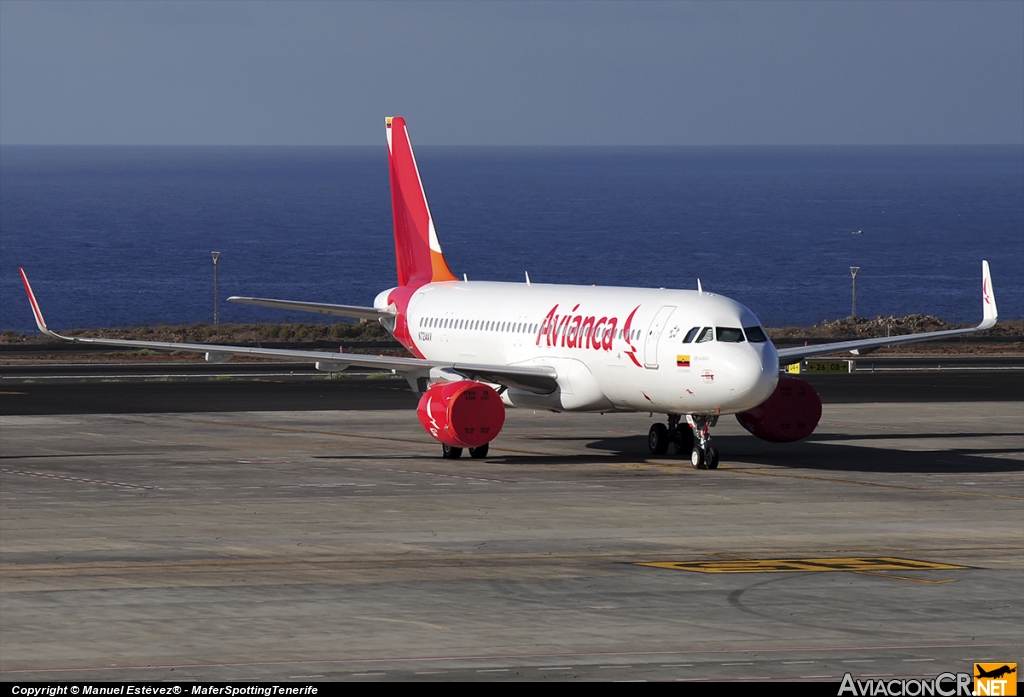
x: 628, y: 336
x: 582, y: 331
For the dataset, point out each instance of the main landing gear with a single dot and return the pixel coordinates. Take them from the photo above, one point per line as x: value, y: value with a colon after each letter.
x: 691, y: 438
x: 450, y: 453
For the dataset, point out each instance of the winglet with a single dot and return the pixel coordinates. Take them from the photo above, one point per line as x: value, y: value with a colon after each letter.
x: 988, y: 299
x: 40, y: 322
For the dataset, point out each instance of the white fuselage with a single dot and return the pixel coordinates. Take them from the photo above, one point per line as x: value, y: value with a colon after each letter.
x: 613, y: 348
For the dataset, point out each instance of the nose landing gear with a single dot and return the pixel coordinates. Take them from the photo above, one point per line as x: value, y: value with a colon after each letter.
x: 689, y: 438
x: 704, y: 455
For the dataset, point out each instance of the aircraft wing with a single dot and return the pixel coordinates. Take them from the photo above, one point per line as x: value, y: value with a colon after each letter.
x: 320, y: 308
x: 990, y: 316
x: 538, y: 379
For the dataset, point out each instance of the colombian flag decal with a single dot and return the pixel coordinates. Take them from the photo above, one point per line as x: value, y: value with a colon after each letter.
x: 682, y: 361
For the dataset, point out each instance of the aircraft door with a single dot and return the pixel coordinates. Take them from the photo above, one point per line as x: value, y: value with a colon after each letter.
x: 654, y: 334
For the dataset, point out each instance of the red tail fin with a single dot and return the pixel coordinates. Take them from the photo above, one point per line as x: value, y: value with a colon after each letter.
x: 417, y: 250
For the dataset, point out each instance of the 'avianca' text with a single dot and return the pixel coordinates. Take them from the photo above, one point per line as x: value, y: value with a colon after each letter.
x: 578, y: 331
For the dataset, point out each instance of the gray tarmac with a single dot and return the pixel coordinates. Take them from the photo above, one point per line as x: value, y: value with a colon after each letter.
x: 337, y: 545
x: 129, y: 390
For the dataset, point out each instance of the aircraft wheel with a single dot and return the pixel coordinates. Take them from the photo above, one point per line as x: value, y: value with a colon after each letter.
x: 685, y: 442
x: 657, y: 439
x: 712, y: 459
x: 450, y: 453
x: 697, y: 458
x: 479, y: 452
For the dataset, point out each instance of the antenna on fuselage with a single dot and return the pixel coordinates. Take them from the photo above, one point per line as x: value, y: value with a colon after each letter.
x: 527, y: 278
x: 700, y: 291
x: 465, y: 277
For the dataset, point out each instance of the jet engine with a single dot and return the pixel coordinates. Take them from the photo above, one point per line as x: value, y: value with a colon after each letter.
x: 462, y: 414
x: 791, y: 413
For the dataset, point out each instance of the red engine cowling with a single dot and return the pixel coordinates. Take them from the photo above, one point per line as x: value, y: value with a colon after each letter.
x: 462, y: 414
x: 791, y: 413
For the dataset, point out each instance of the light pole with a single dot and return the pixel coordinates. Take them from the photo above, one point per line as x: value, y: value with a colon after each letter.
x: 216, y: 307
x: 854, y: 270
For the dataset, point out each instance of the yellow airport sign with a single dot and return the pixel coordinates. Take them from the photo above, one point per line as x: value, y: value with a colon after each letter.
x: 821, y: 366
x: 832, y: 366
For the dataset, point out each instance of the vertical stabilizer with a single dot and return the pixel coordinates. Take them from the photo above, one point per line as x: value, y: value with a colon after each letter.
x: 417, y: 251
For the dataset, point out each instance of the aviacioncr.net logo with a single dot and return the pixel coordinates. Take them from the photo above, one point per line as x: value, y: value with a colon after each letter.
x: 995, y: 679
x: 944, y: 685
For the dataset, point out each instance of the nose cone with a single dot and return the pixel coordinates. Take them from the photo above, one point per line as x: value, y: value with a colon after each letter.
x: 755, y: 372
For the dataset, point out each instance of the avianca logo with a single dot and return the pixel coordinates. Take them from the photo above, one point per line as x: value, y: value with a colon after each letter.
x: 573, y: 330
x: 434, y: 426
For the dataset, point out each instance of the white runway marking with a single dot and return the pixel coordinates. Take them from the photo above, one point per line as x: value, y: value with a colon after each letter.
x: 59, y: 477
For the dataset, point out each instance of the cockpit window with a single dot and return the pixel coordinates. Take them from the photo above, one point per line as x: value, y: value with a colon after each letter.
x: 690, y: 334
x: 755, y: 334
x: 707, y: 334
x: 731, y: 335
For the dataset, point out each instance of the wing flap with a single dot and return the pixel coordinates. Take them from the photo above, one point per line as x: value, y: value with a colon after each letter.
x: 536, y: 379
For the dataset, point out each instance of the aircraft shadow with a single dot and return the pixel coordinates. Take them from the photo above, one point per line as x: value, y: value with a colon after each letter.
x: 818, y: 454
x: 907, y: 436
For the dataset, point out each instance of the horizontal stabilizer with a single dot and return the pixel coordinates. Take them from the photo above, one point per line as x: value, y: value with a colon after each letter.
x: 353, y: 311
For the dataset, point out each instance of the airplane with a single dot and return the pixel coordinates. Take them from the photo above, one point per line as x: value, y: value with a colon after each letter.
x: 995, y: 673
x: 479, y: 347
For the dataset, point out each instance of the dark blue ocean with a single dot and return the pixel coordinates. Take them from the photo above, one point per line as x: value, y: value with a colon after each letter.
x: 121, y: 236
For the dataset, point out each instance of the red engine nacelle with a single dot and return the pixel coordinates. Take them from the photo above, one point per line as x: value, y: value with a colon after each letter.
x: 462, y: 414
x: 791, y: 413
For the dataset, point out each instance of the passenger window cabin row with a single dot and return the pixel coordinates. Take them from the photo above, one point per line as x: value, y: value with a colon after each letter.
x: 700, y: 335
x: 506, y: 327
